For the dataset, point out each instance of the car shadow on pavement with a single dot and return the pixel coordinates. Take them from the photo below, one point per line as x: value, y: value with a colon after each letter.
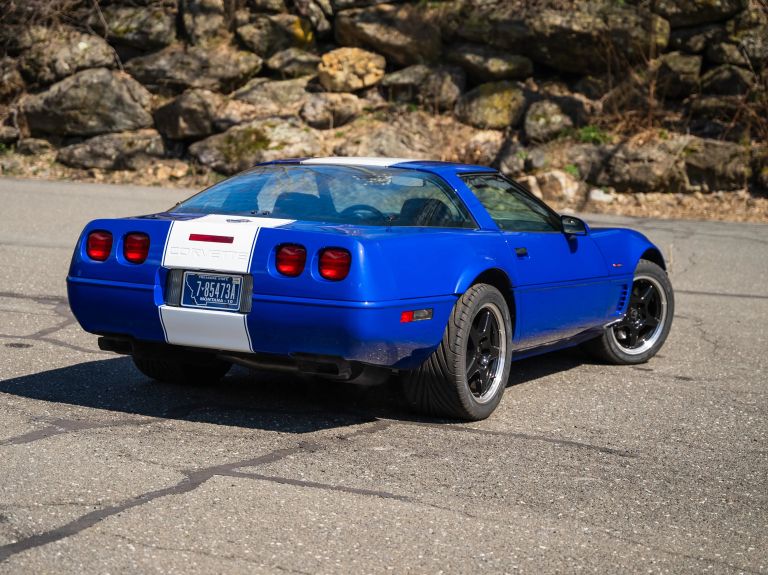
x: 282, y: 402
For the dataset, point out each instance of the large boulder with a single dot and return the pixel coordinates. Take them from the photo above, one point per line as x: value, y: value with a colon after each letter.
x: 350, y: 69
x: 330, y: 110
x: 717, y: 166
x: 190, y: 116
x: 436, y: 88
x: 275, y: 97
x: 176, y: 68
x: 8, y: 135
x: 318, y: 12
x: 727, y: 80
x: 58, y: 53
x: 696, y: 39
x: 142, y: 27
x: 11, y: 82
x: 293, y: 62
x: 678, y: 75
x: 727, y: 53
x: 404, y: 34
x: 121, y: 151
x: 266, y: 35
x: 199, y: 113
x: 696, y: 12
x: 243, y: 146
x: 545, y: 120
x: 88, y: 103
x: 653, y: 166
x: 495, y: 105
x: 404, y: 85
x: 411, y: 135
x: 442, y: 88
x: 760, y: 168
x: 593, y: 38
x: 497, y: 23
x: 485, y: 64
x: 204, y: 21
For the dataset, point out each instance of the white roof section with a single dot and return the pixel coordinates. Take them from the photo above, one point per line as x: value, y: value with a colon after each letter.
x: 358, y: 161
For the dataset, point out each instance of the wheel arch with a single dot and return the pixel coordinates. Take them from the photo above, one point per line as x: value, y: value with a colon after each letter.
x: 654, y: 255
x: 500, y: 280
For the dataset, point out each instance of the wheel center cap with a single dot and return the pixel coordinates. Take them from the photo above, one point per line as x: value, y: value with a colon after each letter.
x: 484, y: 361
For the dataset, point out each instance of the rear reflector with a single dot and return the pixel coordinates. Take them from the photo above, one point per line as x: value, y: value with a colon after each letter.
x: 290, y: 259
x: 210, y: 238
x: 136, y: 247
x: 415, y: 315
x: 99, y: 245
x: 334, y: 263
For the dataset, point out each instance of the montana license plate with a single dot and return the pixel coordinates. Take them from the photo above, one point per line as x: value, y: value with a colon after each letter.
x: 211, y: 291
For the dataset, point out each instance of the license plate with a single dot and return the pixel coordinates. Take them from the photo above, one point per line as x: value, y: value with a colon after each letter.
x: 211, y: 291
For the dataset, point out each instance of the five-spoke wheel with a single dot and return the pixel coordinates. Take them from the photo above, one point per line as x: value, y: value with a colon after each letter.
x: 646, y: 323
x: 486, y: 351
x: 466, y: 375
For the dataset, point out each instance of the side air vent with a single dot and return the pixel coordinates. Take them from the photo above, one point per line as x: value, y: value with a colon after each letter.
x: 173, y: 287
x: 622, y: 298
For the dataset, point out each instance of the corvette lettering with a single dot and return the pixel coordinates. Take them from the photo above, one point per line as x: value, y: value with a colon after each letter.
x: 185, y: 251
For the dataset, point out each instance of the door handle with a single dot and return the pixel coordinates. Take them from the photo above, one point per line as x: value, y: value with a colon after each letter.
x: 521, y: 252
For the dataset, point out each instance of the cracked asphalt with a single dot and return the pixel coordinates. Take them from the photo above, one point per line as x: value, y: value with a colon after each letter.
x: 584, y: 467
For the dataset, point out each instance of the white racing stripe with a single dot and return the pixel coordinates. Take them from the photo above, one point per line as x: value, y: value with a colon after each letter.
x: 235, y: 256
x: 205, y: 328
x: 202, y: 327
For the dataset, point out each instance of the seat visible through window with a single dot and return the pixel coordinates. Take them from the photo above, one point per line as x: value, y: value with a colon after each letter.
x: 424, y: 212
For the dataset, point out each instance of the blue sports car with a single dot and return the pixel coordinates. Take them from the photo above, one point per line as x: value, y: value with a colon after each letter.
x: 362, y: 268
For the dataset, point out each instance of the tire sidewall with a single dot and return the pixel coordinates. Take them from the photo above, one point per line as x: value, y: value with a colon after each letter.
x: 646, y: 268
x: 485, y: 294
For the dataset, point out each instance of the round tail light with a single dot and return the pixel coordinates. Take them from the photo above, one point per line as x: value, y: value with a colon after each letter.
x: 136, y: 247
x: 334, y: 263
x: 98, y: 246
x: 290, y: 259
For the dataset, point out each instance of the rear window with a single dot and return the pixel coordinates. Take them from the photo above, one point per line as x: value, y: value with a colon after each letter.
x: 335, y: 194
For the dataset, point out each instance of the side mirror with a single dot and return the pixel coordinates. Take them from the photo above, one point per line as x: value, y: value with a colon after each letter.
x: 573, y: 226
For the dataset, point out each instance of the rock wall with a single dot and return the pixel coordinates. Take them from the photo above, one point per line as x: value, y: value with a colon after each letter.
x: 612, y: 96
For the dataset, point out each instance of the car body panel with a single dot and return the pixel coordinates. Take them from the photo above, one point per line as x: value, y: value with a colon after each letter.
x: 563, y: 287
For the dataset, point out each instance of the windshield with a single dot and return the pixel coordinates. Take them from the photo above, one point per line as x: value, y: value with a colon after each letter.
x: 335, y: 194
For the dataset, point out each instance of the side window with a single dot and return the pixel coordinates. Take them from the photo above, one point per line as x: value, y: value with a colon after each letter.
x: 511, y: 209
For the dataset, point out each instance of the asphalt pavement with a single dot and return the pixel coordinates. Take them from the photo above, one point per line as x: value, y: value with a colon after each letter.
x: 658, y: 468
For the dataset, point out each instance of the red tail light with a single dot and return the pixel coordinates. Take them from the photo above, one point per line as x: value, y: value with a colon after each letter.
x: 334, y: 263
x: 99, y: 245
x: 290, y: 259
x: 136, y: 247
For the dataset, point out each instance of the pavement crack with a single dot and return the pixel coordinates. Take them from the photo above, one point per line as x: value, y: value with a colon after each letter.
x: 63, y: 426
x: 191, y: 482
x: 40, y: 299
x: 193, y: 479
x: 722, y: 294
x: 317, y: 485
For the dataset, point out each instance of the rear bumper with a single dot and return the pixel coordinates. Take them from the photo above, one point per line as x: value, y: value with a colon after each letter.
x: 365, y: 332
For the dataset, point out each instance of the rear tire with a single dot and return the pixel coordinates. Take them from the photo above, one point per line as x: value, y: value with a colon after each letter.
x: 465, y: 376
x: 181, y: 372
x: 644, y: 328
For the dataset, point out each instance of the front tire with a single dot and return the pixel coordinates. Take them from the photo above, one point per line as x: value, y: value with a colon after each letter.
x: 645, y: 327
x: 465, y: 376
x: 178, y: 371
